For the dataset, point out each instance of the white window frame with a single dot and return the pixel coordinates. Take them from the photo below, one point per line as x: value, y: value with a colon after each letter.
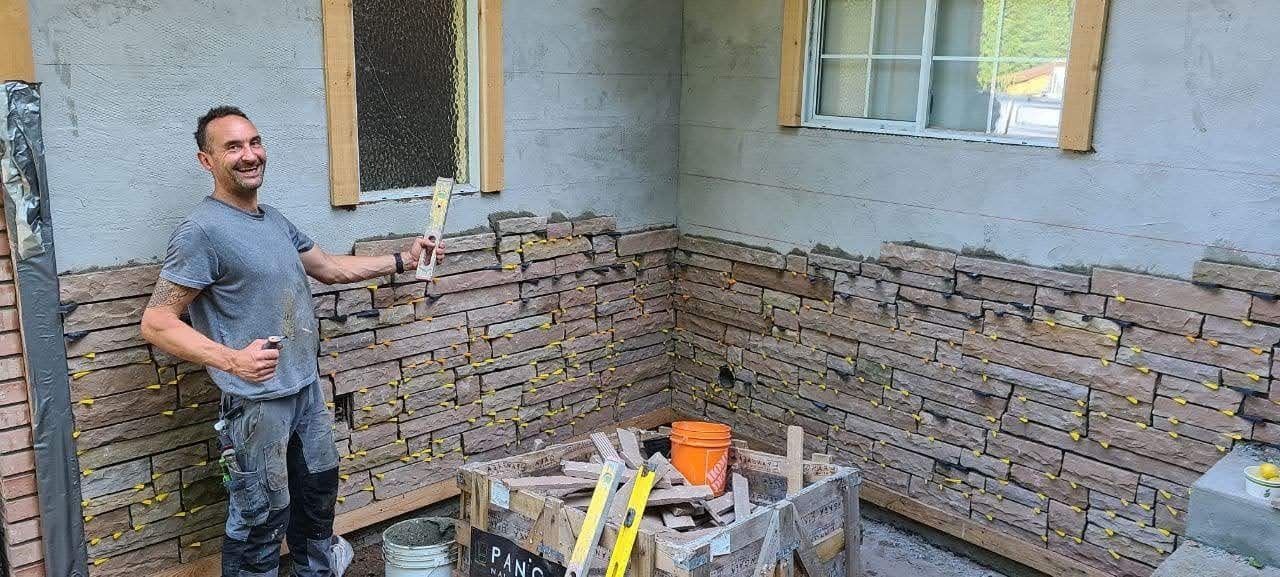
x: 473, y: 124
x: 918, y: 127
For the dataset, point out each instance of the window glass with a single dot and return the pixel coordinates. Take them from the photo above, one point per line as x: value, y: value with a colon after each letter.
x: 844, y: 87
x: 870, y: 62
x: 848, y: 27
x: 995, y: 68
x: 899, y: 27
x: 411, y: 92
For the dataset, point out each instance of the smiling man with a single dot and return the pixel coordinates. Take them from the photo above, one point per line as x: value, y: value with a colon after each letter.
x: 240, y: 269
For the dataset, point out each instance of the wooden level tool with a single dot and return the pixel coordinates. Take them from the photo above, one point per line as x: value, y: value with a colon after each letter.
x: 631, y: 522
x: 601, y: 499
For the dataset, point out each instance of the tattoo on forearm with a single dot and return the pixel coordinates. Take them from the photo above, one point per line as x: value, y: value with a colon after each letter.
x: 168, y: 294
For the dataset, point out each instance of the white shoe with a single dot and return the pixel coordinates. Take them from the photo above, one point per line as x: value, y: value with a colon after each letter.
x: 342, y: 555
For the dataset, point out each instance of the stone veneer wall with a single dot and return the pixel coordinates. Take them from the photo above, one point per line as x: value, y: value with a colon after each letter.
x: 536, y: 330
x: 1069, y: 411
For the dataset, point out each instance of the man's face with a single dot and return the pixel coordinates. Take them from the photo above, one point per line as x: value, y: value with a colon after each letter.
x: 235, y: 154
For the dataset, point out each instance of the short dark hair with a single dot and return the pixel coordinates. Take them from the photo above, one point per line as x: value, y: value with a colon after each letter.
x: 213, y: 114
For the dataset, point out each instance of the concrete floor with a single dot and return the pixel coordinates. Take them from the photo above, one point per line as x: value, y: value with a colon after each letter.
x: 887, y: 551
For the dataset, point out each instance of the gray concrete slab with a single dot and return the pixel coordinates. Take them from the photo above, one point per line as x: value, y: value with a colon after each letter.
x: 1195, y: 560
x: 1222, y: 515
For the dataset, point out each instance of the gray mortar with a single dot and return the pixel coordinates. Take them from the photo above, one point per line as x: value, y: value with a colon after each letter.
x: 421, y: 532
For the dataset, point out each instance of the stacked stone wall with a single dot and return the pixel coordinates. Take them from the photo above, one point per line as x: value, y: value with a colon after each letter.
x: 533, y: 333
x: 1064, y: 410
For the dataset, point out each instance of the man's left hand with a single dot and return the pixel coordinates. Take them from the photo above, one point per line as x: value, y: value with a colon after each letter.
x: 421, y: 245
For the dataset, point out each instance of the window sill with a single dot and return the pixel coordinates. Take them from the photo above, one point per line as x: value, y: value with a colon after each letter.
x: 416, y: 193
x: 888, y: 127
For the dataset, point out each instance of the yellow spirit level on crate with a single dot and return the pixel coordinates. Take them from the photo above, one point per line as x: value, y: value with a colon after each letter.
x: 593, y: 526
x: 631, y: 522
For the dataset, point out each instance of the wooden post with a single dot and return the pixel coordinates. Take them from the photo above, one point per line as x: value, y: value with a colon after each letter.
x: 795, y: 459
x: 1080, y: 99
x: 340, y: 101
x: 16, y: 62
x: 491, y: 111
x: 852, y: 530
x: 795, y: 15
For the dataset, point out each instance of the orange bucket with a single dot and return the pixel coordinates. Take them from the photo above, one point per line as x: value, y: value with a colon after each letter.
x: 700, y: 451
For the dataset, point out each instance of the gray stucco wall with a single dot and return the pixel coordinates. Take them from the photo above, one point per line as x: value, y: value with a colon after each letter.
x: 1185, y: 137
x: 592, y: 103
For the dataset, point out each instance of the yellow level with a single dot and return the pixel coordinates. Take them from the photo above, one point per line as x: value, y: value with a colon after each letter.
x: 593, y: 526
x: 631, y: 523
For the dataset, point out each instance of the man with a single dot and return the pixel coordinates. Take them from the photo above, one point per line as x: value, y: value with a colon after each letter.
x: 240, y: 269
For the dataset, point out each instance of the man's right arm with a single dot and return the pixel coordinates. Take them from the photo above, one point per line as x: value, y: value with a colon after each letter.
x: 163, y: 327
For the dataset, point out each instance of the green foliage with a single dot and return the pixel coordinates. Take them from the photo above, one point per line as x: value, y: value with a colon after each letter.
x: 1032, y: 29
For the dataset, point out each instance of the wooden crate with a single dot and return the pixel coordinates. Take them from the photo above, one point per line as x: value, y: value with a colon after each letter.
x: 815, y: 532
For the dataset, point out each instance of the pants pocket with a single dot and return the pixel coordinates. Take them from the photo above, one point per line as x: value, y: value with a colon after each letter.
x: 248, y: 497
x: 276, y: 464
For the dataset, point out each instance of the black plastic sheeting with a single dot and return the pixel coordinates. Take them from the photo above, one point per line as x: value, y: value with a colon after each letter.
x: 27, y: 208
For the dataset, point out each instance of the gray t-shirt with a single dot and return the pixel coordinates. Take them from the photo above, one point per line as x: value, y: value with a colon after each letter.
x: 252, y: 286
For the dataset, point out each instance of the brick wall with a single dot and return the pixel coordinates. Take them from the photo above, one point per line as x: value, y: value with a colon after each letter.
x: 533, y: 331
x: 1068, y: 411
x: 19, y: 505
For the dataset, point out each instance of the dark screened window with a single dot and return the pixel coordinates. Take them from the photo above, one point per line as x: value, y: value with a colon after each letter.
x: 411, y: 92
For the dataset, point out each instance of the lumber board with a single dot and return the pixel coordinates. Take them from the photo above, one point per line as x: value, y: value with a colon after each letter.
x: 741, y: 497
x: 549, y: 482
x: 16, y: 61
x: 852, y: 532
x: 804, y: 544
x: 340, y: 101
x: 1080, y: 97
x: 1033, y: 555
x: 492, y: 122
x: 795, y: 459
x: 769, y: 549
x: 830, y: 546
x: 795, y: 15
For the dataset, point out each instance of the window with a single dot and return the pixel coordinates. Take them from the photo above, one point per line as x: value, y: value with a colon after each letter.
x: 415, y: 80
x: 972, y: 69
x: 414, y: 92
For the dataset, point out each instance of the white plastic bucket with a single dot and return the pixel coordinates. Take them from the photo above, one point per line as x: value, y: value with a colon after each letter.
x: 1258, y: 487
x: 422, y: 547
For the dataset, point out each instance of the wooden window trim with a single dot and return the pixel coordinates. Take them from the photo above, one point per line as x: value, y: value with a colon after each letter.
x: 795, y: 17
x: 16, y: 61
x: 1080, y: 100
x: 1075, y: 132
x: 340, y: 99
x: 491, y: 111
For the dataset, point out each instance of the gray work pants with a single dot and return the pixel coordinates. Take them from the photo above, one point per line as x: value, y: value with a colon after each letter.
x: 284, y: 483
